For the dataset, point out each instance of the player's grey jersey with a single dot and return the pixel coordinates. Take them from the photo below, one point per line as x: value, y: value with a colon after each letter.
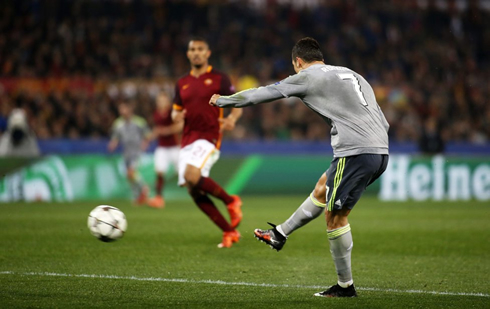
x: 130, y: 135
x: 343, y: 98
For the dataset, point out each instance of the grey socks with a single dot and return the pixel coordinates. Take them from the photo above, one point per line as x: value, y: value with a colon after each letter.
x: 341, y: 247
x: 309, y: 210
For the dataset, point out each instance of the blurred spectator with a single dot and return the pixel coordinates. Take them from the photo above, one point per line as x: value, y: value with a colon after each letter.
x: 3, y: 123
x: 431, y: 141
x: 18, y: 140
x: 425, y: 59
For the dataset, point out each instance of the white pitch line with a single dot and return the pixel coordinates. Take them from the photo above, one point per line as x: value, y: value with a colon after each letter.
x: 220, y: 282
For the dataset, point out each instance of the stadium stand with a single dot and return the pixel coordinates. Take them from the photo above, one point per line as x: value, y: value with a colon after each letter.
x: 68, y: 63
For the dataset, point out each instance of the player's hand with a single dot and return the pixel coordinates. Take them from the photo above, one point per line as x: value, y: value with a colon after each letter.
x: 178, y: 116
x: 227, y: 123
x: 214, y: 99
x: 112, y: 145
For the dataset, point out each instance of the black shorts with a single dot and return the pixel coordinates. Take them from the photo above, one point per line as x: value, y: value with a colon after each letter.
x: 348, y: 177
x: 131, y: 162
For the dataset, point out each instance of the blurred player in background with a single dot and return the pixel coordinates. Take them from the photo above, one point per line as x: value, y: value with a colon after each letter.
x: 133, y: 134
x: 201, y: 139
x: 359, y: 137
x: 167, y: 151
x: 19, y: 140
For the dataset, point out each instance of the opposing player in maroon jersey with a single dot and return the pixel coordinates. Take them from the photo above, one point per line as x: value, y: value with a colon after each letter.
x: 167, y: 151
x: 201, y: 138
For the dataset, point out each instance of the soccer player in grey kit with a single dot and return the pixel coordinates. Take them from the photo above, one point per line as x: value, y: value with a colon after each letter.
x: 359, y: 138
x: 133, y: 134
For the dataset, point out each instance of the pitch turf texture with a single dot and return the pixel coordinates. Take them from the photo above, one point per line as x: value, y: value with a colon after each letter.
x: 406, y: 255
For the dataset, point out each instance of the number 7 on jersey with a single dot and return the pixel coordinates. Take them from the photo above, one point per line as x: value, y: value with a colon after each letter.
x: 356, y: 84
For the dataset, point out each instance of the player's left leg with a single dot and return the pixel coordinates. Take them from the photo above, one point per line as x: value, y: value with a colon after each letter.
x: 347, y: 179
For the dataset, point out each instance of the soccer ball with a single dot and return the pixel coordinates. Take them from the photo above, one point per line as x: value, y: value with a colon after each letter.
x: 107, y: 223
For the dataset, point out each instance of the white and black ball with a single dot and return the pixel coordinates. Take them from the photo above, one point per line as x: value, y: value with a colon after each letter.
x: 107, y: 223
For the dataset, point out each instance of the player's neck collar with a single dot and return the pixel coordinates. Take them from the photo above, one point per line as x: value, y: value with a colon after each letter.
x: 310, y: 64
x: 208, y: 69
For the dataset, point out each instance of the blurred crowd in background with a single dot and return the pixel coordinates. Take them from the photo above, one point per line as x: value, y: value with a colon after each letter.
x: 69, y: 63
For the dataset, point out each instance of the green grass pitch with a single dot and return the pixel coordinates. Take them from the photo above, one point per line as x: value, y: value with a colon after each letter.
x: 406, y: 255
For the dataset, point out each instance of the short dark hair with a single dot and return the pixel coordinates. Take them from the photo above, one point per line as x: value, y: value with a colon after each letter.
x: 126, y: 103
x: 307, y: 49
x: 199, y: 39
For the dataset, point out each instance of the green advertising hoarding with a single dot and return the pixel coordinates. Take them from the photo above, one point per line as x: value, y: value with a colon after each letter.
x: 436, y: 178
x: 99, y: 177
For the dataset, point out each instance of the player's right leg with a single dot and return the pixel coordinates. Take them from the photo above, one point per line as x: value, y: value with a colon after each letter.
x: 139, y: 189
x: 311, y: 208
x: 340, y: 239
x: 348, y: 178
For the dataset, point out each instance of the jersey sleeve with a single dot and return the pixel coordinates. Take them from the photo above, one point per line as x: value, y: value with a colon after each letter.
x: 177, y: 99
x: 293, y: 86
x: 227, y: 87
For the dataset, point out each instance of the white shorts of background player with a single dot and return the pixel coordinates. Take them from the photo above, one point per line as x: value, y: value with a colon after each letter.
x: 166, y: 156
x: 201, y: 154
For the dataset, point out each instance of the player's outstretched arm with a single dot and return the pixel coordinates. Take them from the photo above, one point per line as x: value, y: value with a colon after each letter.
x: 295, y: 85
x: 246, y: 97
